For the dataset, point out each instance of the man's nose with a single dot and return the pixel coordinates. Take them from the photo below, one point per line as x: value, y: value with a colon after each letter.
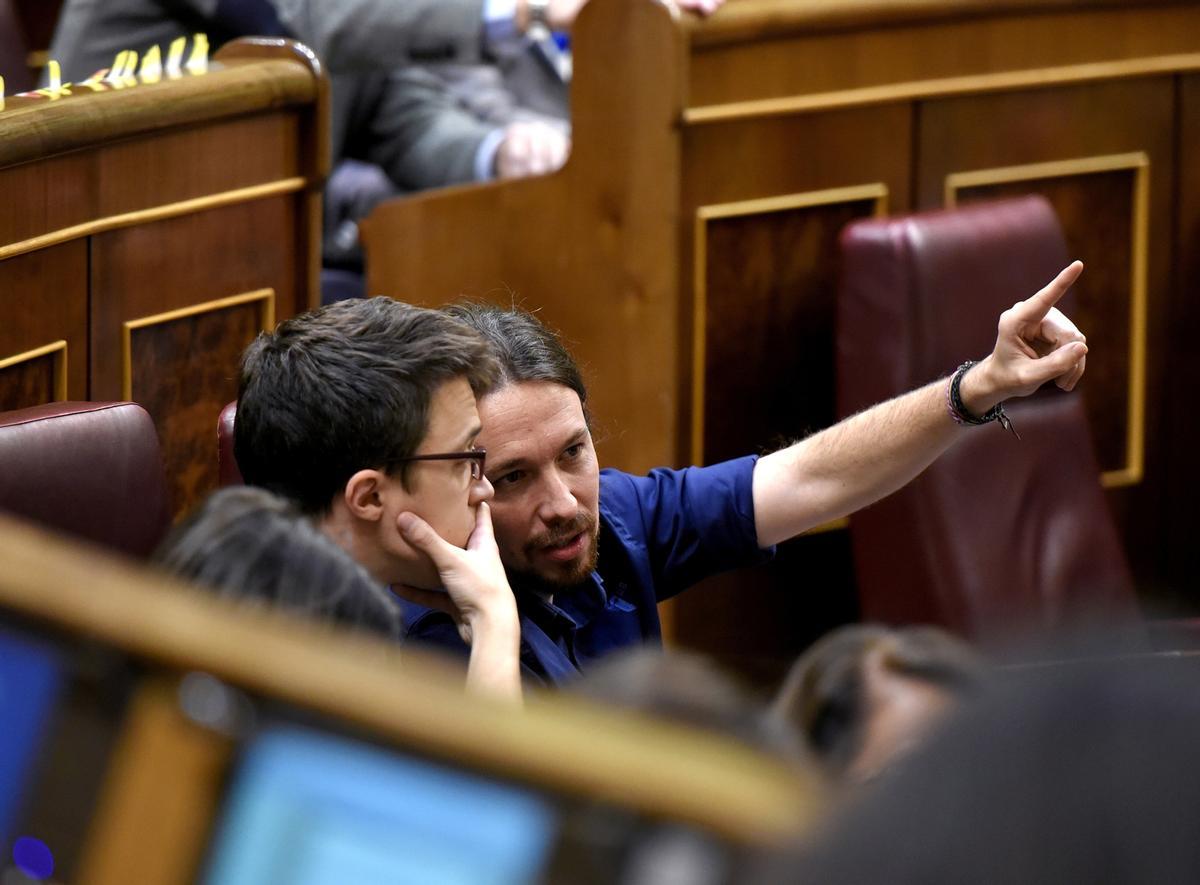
x: 481, y: 490
x: 559, y: 503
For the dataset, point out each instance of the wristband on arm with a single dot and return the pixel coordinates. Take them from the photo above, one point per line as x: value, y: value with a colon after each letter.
x: 959, y: 412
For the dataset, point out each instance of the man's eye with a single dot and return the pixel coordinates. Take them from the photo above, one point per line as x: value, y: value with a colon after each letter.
x: 574, y: 451
x: 509, y: 479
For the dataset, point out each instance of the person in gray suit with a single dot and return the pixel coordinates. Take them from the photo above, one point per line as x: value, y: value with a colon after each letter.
x: 399, y: 130
x: 424, y: 93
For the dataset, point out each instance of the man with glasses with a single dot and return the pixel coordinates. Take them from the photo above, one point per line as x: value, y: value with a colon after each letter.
x: 363, y: 413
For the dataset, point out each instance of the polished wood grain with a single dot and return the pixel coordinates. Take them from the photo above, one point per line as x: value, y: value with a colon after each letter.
x: 28, y: 383
x: 967, y: 54
x: 35, y: 128
x: 771, y: 288
x: 176, y: 174
x: 183, y: 373
x: 43, y: 299
x: 415, y: 703
x: 314, y: 146
x: 753, y: 20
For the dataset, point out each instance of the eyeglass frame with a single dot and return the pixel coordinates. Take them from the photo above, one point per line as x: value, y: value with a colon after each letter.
x: 477, y: 456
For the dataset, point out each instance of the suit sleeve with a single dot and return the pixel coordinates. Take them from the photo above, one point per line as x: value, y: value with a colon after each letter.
x: 420, y: 134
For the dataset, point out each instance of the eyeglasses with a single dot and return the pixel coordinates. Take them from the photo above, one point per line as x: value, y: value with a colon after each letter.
x: 475, y: 456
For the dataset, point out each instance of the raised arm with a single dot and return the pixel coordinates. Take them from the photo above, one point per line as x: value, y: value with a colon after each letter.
x: 869, y: 455
x: 478, y: 597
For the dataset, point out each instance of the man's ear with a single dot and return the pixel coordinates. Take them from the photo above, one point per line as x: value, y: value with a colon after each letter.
x: 363, y: 494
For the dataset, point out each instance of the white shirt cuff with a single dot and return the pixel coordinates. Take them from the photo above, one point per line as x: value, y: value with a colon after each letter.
x: 485, y: 155
x: 500, y: 23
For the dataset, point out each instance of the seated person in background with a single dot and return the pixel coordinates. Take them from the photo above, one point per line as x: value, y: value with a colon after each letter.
x: 591, y: 553
x: 864, y: 694
x: 500, y: 113
x: 363, y: 413
x: 397, y: 130
x: 1084, y: 772
x: 358, y: 34
x: 251, y: 545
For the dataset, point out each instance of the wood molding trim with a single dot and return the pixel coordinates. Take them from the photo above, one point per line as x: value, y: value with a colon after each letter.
x: 156, y: 213
x: 59, y: 349
x: 942, y: 88
x: 266, y: 297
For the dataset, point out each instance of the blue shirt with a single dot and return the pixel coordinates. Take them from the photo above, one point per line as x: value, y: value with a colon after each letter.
x: 659, y: 535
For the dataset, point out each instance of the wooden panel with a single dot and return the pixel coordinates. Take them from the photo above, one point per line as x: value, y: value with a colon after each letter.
x: 1104, y: 203
x: 43, y: 300
x: 1076, y: 125
x: 797, y: 153
x: 787, y: 159
x: 782, y: 65
x: 195, y: 162
x: 183, y: 373
x: 33, y: 378
x: 183, y: 400
x: 96, y: 188
x: 762, y: 262
x: 771, y: 279
x: 769, y: 275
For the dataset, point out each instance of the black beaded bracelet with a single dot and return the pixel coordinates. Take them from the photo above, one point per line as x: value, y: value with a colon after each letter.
x: 960, y: 413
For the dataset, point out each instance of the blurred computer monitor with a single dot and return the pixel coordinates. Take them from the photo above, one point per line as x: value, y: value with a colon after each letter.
x: 30, y: 683
x: 309, y: 808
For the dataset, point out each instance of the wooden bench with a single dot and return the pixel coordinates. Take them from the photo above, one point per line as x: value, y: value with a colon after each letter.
x: 150, y: 231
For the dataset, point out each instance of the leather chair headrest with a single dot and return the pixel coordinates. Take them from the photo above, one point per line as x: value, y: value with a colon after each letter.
x: 93, y: 470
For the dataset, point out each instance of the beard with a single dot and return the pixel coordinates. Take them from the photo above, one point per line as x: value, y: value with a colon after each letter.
x: 549, y: 577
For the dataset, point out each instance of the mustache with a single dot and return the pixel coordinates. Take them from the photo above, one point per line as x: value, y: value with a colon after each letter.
x: 559, y: 534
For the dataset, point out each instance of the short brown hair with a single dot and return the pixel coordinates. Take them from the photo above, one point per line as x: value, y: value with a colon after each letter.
x: 344, y: 388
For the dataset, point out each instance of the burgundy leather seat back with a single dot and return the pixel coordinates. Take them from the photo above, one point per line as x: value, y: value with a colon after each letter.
x: 999, y: 534
x: 93, y: 470
x: 227, y: 469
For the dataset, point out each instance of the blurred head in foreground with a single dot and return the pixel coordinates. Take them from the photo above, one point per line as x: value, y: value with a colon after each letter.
x: 249, y: 544
x: 1080, y: 772
x: 865, y: 694
x: 689, y: 690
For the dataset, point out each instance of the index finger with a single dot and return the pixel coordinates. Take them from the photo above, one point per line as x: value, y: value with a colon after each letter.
x: 1034, y: 308
x: 483, y: 534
